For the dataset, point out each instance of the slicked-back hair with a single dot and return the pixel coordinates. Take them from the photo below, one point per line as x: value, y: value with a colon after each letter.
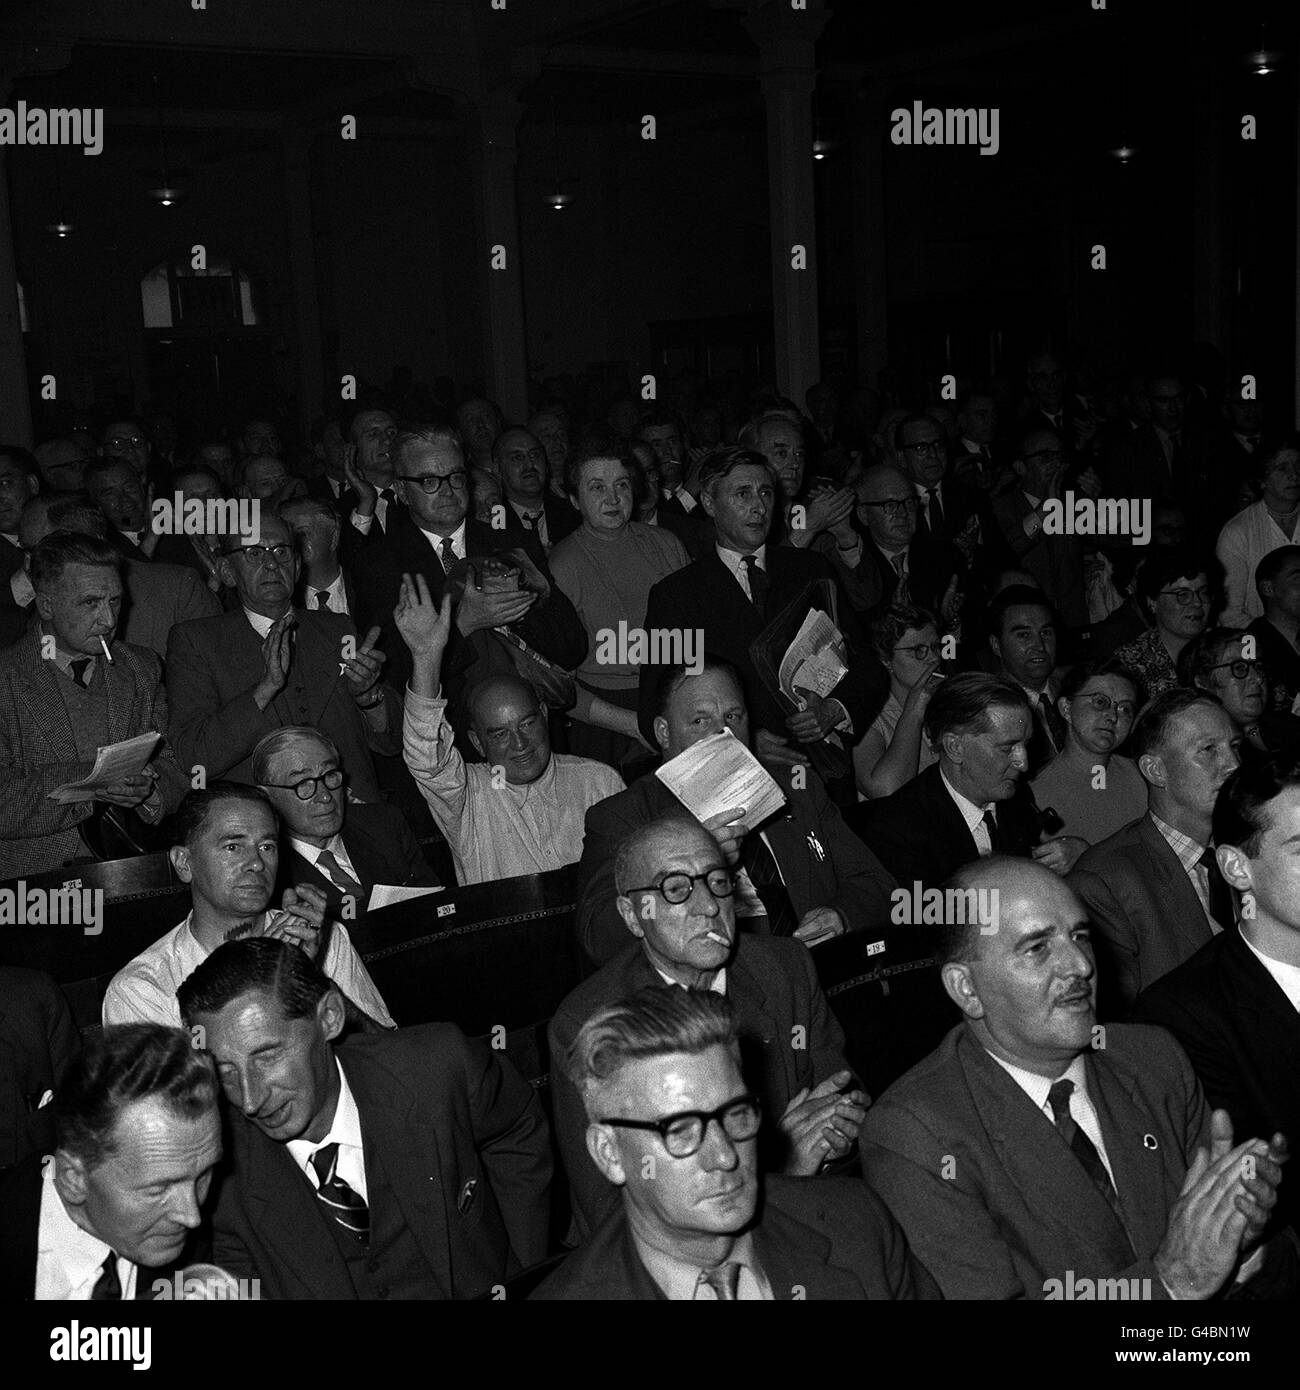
x: 1268, y: 569
x: 1239, y: 815
x: 1151, y: 727
x: 60, y: 549
x: 963, y: 702
x: 916, y: 420
x: 254, y: 965
x: 264, y: 753
x: 312, y: 505
x: 105, y: 463
x: 77, y: 513
x: 724, y: 460
x: 1204, y: 652
x: 630, y: 846
x: 19, y: 456
x: 651, y: 1023
x: 436, y: 433
x: 657, y: 419
x: 888, y: 627
x: 672, y: 678
x: 119, y: 1065
x: 752, y: 430
x: 1016, y: 596
x: 193, y: 812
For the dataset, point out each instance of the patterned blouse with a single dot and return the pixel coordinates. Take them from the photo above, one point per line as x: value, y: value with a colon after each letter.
x: 1149, y: 660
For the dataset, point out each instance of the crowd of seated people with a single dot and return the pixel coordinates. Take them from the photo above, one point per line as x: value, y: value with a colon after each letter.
x: 434, y: 650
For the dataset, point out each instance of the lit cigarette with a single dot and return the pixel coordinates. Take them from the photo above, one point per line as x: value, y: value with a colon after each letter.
x: 713, y: 936
x: 108, y: 656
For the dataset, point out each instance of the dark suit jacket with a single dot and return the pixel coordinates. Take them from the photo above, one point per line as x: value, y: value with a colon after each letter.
x: 1137, y: 467
x: 38, y: 750
x: 1055, y: 561
x: 562, y: 519
x: 214, y: 664
x: 1242, y: 1036
x: 919, y: 834
x: 158, y: 596
x: 437, y: 1110
x: 773, y: 986
x: 705, y: 595
x: 382, y: 850
x: 37, y: 1041
x: 11, y: 559
x: 21, y: 1188
x: 550, y: 626
x: 989, y: 1195
x: 930, y: 569
x: 846, y: 876
x: 696, y: 535
x: 823, y: 1238
x: 1145, y: 909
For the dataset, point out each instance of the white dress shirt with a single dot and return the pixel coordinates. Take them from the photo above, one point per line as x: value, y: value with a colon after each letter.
x: 457, y: 542
x: 336, y: 596
x: 734, y: 561
x: 543, y: 534
x: 1286, y: 975
x: 69, y: 1260
x: 311, y: 853
x: 679, y: 1280
x: 973, y: 816
x: 346, y: 1133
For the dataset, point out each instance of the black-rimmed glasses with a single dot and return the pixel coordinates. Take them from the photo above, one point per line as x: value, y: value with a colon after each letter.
x: 896, y: 506
x: 1186, y: 597
x: 1103, y: 704
x: 306, y: 789
x: 683, y: 1134
x: 258, y: 553
x: 920, y: 650
x: 1240, y: 668
x: 435, y: 482
x: 676, y: 888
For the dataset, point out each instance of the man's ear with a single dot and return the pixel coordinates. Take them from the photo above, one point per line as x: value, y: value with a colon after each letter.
x: 951, y: 743
x: 706, y: 501
x: 180, y: 860
x: 660, y: 727
x: 627, y: 911
x: 1019, y: 467
x: 1063, y: 708
x: 331, y: 1013
x: 995, y: 646
x: 1235, y: 867
x: 603, y: 1148
x: 960, y: 985
x: 43, y: 606
x: 70, y: 1177
x: 1152, y: 768
x: 225, y: 568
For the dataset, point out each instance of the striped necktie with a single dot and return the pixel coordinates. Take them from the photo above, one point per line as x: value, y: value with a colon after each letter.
x: 723, y: 1280
x: 1080, y: 1145
x: 345, y: 1205
x: 327, y: 862
x: 108, y: 1287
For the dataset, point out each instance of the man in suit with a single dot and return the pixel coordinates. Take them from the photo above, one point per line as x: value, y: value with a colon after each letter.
x: 228, y: 850
x: 433, y: 534
x: 266, y: 664
x: 19, y: 481
x: 1233, y: 1005
x: 343, y: 847
x: 1021, y: 1158
x: 156, y: 595
x: 412, y: 1165
x: 138, y: 1138
x: 1055, y: 561
x: 974, y: 801
x: 125, y: 498
x: 694, y: 1218
x: 826, y: 881
x: 1154, y: 890
x: 1277, y: 580
x: 67, y: 688
x: 732, y: 594
x: 1022, y: 636
x: 908, y: 570
x: 662, y: 431
x: 37, y: 1041
x: 691, y: 942
x: 127, y: 441
x: 324, y: 583
x: 530, y: 507
x: 368, y: 472
x: 975, y: 460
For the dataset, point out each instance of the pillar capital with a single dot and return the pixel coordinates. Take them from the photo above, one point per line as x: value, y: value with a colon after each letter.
x: 786, y: 37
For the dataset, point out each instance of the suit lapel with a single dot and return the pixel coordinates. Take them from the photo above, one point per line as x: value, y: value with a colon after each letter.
x: 796, y: 1260
x: 1168, y: 870
x: 322, y: 662
x: 45, y: 707
x: 120, y: 685
x: 1253, y: 998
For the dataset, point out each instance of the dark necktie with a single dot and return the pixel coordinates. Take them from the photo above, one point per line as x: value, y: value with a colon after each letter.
x: 1175, y: 452
x: 81, y: 674
x: 387, y: 496
x: 782, y: 919
x: 329, y: 865
x: 934, y: 512
x: 1221, y: 904
x: 322, y: 598
x: 531, y: 520
x: 759, y: 583
x: 723, y: 1280
x: 995, y: 834
x: 108, y: 1287
x: 448, y: 554
x: 903, y: 592
x: 1080, y: 1145
x: 346, y: 1206
x: 1049, y: 732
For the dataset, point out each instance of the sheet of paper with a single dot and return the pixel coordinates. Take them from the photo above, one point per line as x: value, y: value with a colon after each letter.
x: 112, y: 763
x: 818, y: 646
x: 719, y: 773
x: 385, y: 894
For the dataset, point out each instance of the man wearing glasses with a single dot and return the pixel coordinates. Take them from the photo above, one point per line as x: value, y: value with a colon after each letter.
x: 342, y: 846
x: 433, y: 533
x: 234, y: 678
x: 672, y: 1128
x: 676, y: 897
x: 910, y: 570
x: 228, y: 850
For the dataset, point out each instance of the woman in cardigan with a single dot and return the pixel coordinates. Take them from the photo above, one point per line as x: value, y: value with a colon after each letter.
x: 607, y: 568
x: 1174, y: 589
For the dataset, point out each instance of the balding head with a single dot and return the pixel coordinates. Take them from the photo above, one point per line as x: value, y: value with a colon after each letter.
x: 508, y: 727
x: 887, y: 506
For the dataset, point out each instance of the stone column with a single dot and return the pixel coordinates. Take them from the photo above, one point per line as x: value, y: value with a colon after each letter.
x: 786, y: 41
x: 15, y: 400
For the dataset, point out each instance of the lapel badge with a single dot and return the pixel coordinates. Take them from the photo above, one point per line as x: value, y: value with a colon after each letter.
x: 1149, y: 1141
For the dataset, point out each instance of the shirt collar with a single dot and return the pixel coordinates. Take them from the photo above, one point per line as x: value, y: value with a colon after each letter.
x: 734, y: 561
x: 1188, y: 850
x: 260, y: 623
x: 1036, y: 1087
x: 78, y: 1254
x: 345, y: 1131
x: 311, y: 853
x: 457, y: 539
x: 971, y: 813
x: 63, y: 660
x: 719, y: 985
x: 678, y: 1279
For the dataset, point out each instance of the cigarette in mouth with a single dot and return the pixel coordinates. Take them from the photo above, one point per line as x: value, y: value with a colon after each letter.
x: 108, y: 656
x: 713, y: 936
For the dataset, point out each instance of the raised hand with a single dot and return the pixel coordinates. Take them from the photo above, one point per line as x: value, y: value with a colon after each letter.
x: 425, y: 625
x: 822, y: 1123
x: 367, y: 493
x: 277, y: 657
x: 363, y: 670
